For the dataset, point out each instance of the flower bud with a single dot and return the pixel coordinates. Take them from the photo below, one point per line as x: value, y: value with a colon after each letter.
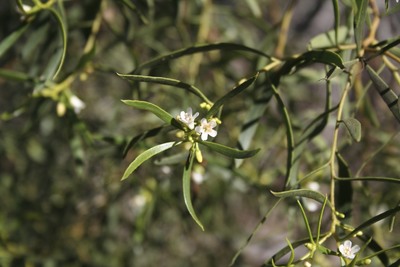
x: 199, y: 155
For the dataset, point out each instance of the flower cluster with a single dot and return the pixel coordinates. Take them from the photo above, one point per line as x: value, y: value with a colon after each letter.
x: 203, y: 128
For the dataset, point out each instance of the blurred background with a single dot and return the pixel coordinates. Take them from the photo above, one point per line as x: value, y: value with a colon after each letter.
x: 61, y: 159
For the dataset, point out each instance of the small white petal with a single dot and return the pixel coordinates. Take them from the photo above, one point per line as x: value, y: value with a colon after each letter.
x: 198, y: 129
x: 26, y: 8
x: 77, y: 104
x: 212, y: 133
x: 355, y: 249
x: 204, y: 136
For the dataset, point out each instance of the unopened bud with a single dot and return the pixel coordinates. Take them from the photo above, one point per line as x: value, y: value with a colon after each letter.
x: 61, y: 109
x: 217, y: 120
x: 199, y: 155
x: 359, y: 233
x: 180, y: 134
x: 340, y: 215
x: 364, y: 262
x: 310, y: 246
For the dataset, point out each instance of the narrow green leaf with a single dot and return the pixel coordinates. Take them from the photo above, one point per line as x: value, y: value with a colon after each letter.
x: 289, y: 136
x: 302, y: 193
x: 228, y: 151
x: 10, y: 40
x: 391, y: 44
x: 344, y: 189
x: 291, y: 258
x: 393, y: 220
x: 166, y: 81
x: 353, y: 126
x: 314, y: 56
x: 324, y: 56
x: 385, y: 92
x: 321, y: 216
x: 235, y: 91
x: 386, y: 45
x: 337, y: 19
x: 156, y: 110
x: 199, y: 49
x: 14, y: 75
x: 147, y: 155
x: 63, y: 30
x: 187, y: 171
x: 374, y: 246
x: 359, y: 22
x: 306, y: 223
x: 372, y: 220
x: 375, y: 179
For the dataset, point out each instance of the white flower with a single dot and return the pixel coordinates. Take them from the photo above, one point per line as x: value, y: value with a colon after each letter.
x: 188, y: 118
x: 347, y: 250
x: 205, y: 129
x: 76, y: 104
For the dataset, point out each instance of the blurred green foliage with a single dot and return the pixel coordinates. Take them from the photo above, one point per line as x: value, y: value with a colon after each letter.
x: 62, y: 201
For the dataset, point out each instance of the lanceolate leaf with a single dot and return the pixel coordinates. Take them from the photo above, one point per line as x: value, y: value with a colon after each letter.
x: 359, y: 21
x: 389, y: 45
x: 344, y: 189
x: 167, y: 81
x: 228, y: 151
x: 314, y: 56
x: 15, y: 75
x: 199, y: 49
x: 337, y: 20
x: 63, y: 30
x: 373, y: 220
x: 302, y: 193
x: 386, y: 93
x: 374, y: 246
x: 10, y: 40
x: 147, y: 155
x: 375, y: 179
x: 354, y: 128
x: 289, y: 137
x: 156, y: 110
x: 237, y: 90
x: 187, y: 171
